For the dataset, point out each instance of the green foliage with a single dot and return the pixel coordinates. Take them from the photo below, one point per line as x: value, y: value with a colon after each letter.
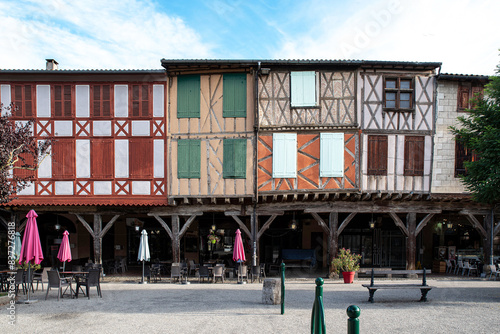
x: 345, y: 261
x: 480, y: 132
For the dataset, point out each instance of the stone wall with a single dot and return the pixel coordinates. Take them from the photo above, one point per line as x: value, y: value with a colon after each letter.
x: 443, y: 166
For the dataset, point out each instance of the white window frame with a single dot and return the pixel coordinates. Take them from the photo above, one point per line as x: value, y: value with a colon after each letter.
x: 331, y: 159
x: 284, y: 155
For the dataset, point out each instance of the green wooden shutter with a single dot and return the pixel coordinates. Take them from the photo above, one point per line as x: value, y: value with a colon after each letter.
x: 188, y: 158
x: 303, y: 89
x: 188, y: 96
x: 284, y: 155
x: 235, y: 158
x: 234, y: 95
x: 331, y: 159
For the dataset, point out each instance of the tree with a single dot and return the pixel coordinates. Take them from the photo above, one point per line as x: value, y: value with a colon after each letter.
x: 19, y: 149
x: 479, y: 131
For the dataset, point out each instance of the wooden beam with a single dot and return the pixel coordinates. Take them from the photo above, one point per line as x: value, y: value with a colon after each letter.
x: 399, y: 223
x: 85, y: 224
x: 4, y: 223
x: 321, y: 222
x: 242, y: 226
x: 496, y: 230
x: 266, y: 226
x: 165, y: 226
x: 423, y: 222
x: 477, y: 225
x: 187, y: 224
x: 108, y: 226
x: 346, y: 221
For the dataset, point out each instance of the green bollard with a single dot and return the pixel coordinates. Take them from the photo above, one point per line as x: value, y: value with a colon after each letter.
x: 353, y: 322
x: 282, y: 288
x: 318, y: 312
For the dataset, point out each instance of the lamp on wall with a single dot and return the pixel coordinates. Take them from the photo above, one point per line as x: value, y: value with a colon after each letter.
x: 57, y: 226
x: 293, y: 223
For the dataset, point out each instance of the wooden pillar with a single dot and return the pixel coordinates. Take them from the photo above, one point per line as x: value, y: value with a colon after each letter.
x: 411, y: 241
x: 487, y: 239
x: 333, y: 236
x: 253, y: 239
x: 97, y: 239
x: 176, y: 244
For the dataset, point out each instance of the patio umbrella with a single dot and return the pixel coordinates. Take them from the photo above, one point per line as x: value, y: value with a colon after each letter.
x: 31, y: 250
x: 64, y: 250
x: 17, y: 245
x: 143, y: 251
x: 239, y: 251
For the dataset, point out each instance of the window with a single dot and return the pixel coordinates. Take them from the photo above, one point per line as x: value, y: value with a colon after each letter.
x: 331, y: 158
x: 466, y: 92
x: 61, y: 95
x: 398, y: 93
x: 462, y: 154
x: 140, y: 97
x: 284, y: 155
x: 235, y: 158
x: 141, y: 158
x: 234, y: 95
x: 188, y: 96
x: 303, y: 89
x: 101, y: 100
x: 188, y: 158
x: 23, y: 99
x: 63, y: 159
x: 414, y: 156
x: 102, y: 158
x: 377, y: 155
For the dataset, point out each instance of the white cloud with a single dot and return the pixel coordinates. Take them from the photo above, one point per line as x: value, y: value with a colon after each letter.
x: 461, y: 34
x: 94, y: 34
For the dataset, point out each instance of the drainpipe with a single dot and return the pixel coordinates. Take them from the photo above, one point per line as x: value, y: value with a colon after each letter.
x: 255, y: 155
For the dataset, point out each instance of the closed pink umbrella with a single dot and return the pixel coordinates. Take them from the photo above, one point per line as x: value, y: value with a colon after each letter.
x: 31, y: 250
x: 64, y: 250
x: 239, y: 251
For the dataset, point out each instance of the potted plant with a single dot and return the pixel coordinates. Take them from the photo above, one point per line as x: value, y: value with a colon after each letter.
x: 346, y: 263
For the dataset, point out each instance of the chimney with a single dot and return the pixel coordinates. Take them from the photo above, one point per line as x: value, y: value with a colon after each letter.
x: 51, y: 65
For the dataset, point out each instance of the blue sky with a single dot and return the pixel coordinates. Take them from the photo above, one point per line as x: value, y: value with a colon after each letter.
x: 133, y: 34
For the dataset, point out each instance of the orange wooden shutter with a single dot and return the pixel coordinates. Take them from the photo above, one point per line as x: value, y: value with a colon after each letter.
x: 141, y: 158
x: 102, y: 158
x: 63, y: 159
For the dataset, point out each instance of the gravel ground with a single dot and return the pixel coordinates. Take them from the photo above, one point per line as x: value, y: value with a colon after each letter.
x: 455, y: 306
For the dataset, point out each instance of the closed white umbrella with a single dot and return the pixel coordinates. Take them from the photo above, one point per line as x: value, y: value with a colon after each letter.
x: 143, y: 251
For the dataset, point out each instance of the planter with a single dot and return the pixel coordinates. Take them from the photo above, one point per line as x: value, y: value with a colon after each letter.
x: 348, y: 276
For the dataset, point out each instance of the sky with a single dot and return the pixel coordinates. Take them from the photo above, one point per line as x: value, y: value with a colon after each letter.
x: 137, y: 34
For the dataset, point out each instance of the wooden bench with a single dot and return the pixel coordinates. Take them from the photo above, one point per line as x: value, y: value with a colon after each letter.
x: 424, y: 288
x: 387, y: 272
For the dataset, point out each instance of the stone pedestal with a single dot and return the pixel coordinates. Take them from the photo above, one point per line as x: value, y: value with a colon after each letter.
x: 271, y: 291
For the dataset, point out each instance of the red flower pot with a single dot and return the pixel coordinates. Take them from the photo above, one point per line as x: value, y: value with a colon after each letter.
x: 348, y: 276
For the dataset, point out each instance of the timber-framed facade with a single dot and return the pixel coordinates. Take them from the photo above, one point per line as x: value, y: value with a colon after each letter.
x: 306, y: 155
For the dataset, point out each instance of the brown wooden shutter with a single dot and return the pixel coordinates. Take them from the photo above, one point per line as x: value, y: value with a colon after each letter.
x: 140, y: 96
x: 101, y: 97
x: 29, y: 159
x: 63, y: 159
x: 102, y: 158
x: 23, y: 99
x: 141, y: 158
x: 414, y: 155
x: 62, y: 100
x: 377, y: 155
x: 463, y: 97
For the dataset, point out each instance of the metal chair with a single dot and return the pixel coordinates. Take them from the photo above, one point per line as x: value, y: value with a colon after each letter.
x: 41, y: 277
x: 155, y: 272
x: 242, y: 272
x: 19, y: 280
x: 55, y: 281
x: 192, y: 267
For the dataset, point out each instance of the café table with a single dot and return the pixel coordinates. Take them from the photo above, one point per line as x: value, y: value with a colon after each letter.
x: 74, y: 276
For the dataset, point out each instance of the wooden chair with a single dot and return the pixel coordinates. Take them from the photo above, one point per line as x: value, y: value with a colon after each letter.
x: 55, y: 281
x: 92, y: 279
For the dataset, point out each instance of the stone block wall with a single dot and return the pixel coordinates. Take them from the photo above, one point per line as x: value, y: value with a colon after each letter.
x: 443, y: 166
